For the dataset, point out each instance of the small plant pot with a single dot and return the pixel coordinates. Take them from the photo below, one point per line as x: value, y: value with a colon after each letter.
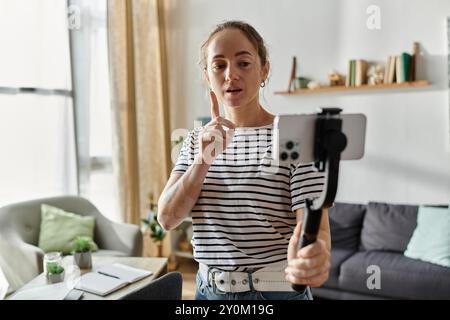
x: 55, y: 278
x: 301, y: 83
x: 83, y: 260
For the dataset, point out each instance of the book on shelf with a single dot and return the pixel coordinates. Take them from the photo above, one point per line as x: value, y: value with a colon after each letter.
x: 357, y: 70
x: 349, y: 74
x: 403, y: 66
x: 360, y: 72
x: 352, y: 72
x: 406, y: 60
x: 412, y: 71
x: 391, y: 74
x: 399, y: 76
x: 110, y: 278
x: 386, y: 70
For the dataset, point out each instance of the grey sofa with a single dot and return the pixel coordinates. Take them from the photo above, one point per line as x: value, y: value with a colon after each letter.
x: 377, y: 234
x: 20, y: 226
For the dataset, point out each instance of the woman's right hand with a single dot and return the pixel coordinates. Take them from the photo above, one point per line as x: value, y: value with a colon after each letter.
x: 214, y: 139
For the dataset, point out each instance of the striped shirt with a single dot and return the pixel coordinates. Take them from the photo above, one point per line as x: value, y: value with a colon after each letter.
x: 244, y: 215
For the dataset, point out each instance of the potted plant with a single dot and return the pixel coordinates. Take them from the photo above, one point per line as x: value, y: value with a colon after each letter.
x: 82, y: 248
x: 55, y: 272
x: 157, y: 233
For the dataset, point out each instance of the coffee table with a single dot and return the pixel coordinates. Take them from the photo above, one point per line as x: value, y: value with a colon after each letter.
x: 157, y: 265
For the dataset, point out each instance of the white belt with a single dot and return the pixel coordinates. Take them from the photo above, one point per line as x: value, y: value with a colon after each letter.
x: 271, y: 278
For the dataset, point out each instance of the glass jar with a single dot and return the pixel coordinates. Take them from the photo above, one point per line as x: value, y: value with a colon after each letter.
x: 52, y: 258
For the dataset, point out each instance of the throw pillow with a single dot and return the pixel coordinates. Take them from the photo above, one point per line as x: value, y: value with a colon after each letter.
x: 431, y: 239
x: 388, y: 227
x: 346, y: 220
x: 60, y: 228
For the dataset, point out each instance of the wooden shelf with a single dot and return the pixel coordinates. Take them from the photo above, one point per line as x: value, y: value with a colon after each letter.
x: 415, y: 84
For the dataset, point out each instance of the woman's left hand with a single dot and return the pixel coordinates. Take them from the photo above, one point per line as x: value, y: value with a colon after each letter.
x: 309, y: 266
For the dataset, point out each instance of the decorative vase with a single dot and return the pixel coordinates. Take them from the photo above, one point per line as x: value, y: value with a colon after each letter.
x: 55, y: 278
x: 83, y: 260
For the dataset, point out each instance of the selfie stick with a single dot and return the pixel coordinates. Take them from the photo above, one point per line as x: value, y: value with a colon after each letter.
x: 329, y: 142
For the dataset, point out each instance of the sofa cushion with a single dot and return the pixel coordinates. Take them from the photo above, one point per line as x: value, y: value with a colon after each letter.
x: 388, y: 227
x: 345, y: 224
x: 431, y: 240
x: 401, y: 277
x: 338, y: 255
x: 60, y: 228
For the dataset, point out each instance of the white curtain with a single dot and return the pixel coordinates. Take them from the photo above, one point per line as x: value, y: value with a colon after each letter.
x: 92, y: 98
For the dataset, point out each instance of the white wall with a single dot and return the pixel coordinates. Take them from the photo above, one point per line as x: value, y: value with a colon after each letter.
x: 407, y: 156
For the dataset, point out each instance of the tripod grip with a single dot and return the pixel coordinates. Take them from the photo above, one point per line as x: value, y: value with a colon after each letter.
x: 309, y: 233
x: 306, y: 238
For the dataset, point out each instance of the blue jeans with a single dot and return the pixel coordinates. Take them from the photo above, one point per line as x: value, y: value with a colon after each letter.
x: 205, y: 292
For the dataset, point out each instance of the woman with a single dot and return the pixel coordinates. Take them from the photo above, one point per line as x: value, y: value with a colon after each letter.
x: 243, y: 213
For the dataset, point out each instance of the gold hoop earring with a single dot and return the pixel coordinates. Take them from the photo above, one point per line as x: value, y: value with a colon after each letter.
x: 263, y: 84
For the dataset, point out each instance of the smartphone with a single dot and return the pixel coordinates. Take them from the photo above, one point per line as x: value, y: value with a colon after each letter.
x: 293, y: 137
x: 74, y: 295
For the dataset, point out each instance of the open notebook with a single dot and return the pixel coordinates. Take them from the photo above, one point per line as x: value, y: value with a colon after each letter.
x: 110, y: 278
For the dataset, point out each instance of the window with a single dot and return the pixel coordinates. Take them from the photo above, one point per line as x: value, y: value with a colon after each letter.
x: 46, y: 134
x: 37, y: 143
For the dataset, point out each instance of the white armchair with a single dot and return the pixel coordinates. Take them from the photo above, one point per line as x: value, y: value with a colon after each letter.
x: 20, y: 227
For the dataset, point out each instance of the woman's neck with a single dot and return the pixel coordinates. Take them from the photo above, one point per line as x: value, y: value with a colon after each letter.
x: 252, y: 115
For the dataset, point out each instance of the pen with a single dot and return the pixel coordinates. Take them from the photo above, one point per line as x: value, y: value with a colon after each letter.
x: 109, y: 275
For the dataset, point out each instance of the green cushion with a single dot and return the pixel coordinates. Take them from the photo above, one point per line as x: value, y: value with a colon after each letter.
x: 60, y: 228
x: 431, y: 239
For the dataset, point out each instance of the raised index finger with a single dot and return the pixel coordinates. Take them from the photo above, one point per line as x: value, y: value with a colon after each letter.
x: 214, y: 105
